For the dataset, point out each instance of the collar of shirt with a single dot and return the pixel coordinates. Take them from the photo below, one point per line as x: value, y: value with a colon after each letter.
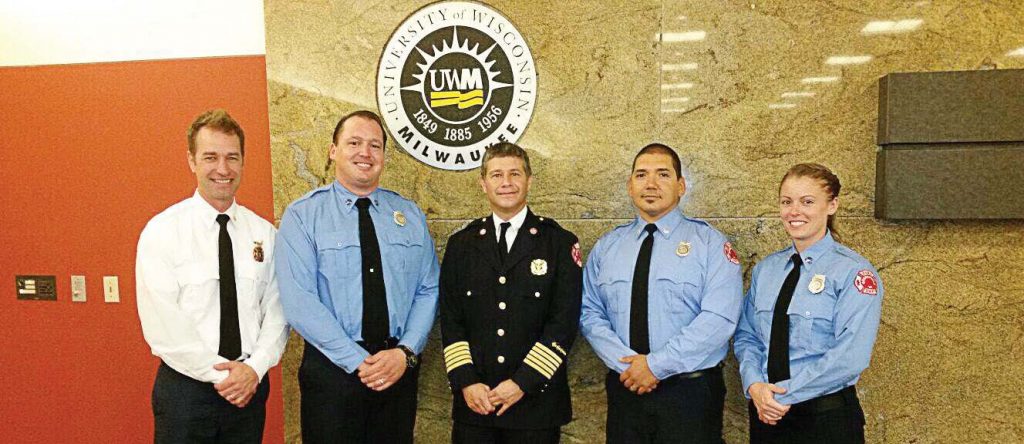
x: 816, y: 251
x: 348, y: 198
x: 516, y: 221
x: 206, y: 214
x: 665, y: 224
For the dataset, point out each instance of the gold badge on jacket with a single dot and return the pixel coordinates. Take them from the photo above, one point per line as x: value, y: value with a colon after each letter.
x: 817, y: 284
x: 539, y: 267
x: 257, y: 251
x: 683, y: 249
x: 399, y: 218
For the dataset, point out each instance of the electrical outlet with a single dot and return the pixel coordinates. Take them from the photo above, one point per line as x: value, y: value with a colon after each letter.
x: 77, y: 288
x: 110, y: 291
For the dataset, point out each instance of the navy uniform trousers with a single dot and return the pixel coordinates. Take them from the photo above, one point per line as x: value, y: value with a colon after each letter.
x: 836, y: 418
x: 684, y: 409
x: 338, y: 408
x: 189, y: 411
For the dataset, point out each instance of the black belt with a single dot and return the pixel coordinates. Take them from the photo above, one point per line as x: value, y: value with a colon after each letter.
x: 844, y: 397
x: 717, y: 369
x: 375, y: 347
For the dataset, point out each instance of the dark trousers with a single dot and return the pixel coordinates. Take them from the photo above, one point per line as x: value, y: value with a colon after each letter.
x: 834, y: 419
x: 190, y: 411
x: 338, y: 408
x: 680, y: 411
x: 474, y: 434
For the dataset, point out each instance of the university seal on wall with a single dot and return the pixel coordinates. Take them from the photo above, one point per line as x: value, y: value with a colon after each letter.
x: 455, y: 78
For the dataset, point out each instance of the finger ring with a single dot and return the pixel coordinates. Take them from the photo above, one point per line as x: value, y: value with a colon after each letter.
x: 380, y: 381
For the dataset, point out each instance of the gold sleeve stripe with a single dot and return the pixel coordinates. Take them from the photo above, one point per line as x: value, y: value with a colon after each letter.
x: 456, y: 346
x: 541, y: 361
x: 542, y: 349
x: 540, y: 357
x: 456, y: 363
x: 456, y: 355
x: 541, y: 368
x: 456, y: 351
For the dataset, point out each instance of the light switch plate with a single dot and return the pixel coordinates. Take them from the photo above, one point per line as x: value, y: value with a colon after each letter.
x: 77, y: 288
x: 110, y: 291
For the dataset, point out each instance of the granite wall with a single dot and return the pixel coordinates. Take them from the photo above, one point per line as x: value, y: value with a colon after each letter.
x: 948, y: 362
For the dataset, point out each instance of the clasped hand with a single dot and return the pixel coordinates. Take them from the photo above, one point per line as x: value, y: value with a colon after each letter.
x: 769, y: 411
x: 240, y: 385
x: 383, y: 369
x: 483, y: 400
x: 638, y: 378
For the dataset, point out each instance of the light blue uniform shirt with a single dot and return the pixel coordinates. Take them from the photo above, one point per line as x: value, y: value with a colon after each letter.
x: 694, y: 295
x: 831, y: 331
x: 319, y: 270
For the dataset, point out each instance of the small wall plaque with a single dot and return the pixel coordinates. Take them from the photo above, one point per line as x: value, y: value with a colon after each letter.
x: 36, y: 288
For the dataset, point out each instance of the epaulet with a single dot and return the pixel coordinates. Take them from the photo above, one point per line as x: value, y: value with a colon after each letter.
x: 312, y: 193
x: 845, y: 251
x: 548, y: 221
x: 394, y: 196
x: 387, y: 191
x: 473, y: 224
x: 697, y: 221
x: 623, y: 225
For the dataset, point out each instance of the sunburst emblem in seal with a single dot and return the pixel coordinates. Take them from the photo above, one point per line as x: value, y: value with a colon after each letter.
x: 453, y: 79
x: 472, y: 98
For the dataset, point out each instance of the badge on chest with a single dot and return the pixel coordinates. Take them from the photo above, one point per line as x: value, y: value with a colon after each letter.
x: 817, y: 284
x: 539, y: 267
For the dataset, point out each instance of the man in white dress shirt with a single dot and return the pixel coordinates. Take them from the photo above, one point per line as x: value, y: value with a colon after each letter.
x: 208, y: 299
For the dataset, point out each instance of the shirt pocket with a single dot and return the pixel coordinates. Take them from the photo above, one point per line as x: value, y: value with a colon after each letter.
x: 404, y: 253
x: 764, y: 308
x: 616, y: 289
x: 251, y: 283
x: 338, y: 255
x: 402, y: 257
x: 811, y: 322
x: 678, y: 293
x: 199, y: 282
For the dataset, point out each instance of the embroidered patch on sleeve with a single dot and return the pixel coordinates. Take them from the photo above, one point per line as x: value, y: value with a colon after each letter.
x: 577, y: 255
x: 866, y: 282
x: 731, y: 254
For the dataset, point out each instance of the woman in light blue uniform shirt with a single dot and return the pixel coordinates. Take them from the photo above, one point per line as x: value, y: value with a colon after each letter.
x: 809, y: 323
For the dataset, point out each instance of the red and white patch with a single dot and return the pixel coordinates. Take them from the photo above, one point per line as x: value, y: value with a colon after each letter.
x: 866, y: 282
x: 577, y: 255
x: 731, y: 254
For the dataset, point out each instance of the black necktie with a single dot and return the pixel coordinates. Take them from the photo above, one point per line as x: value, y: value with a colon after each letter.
x: 230, y: 337
x: 502, y: 243
x: 639, y: 337
x: 778, y: 345
x: 375, y: 303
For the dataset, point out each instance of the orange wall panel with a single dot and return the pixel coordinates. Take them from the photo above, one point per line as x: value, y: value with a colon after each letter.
x: 88, y: 154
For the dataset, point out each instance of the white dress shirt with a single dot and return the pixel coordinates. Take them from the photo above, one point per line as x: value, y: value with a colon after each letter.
x: 177, y: 285
x: 517, y: 223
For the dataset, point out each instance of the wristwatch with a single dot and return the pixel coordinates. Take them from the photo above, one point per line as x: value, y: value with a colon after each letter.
x: 411, y: 360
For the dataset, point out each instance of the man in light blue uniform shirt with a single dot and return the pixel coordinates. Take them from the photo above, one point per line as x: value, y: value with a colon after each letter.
x: 660, y: 316
x: 832, y: 329
x: 363, y: 331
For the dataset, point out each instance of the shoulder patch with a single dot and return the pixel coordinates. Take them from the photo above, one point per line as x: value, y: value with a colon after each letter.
x: 577, y: 255
x: 866, y: 282
x: 730, y: 253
